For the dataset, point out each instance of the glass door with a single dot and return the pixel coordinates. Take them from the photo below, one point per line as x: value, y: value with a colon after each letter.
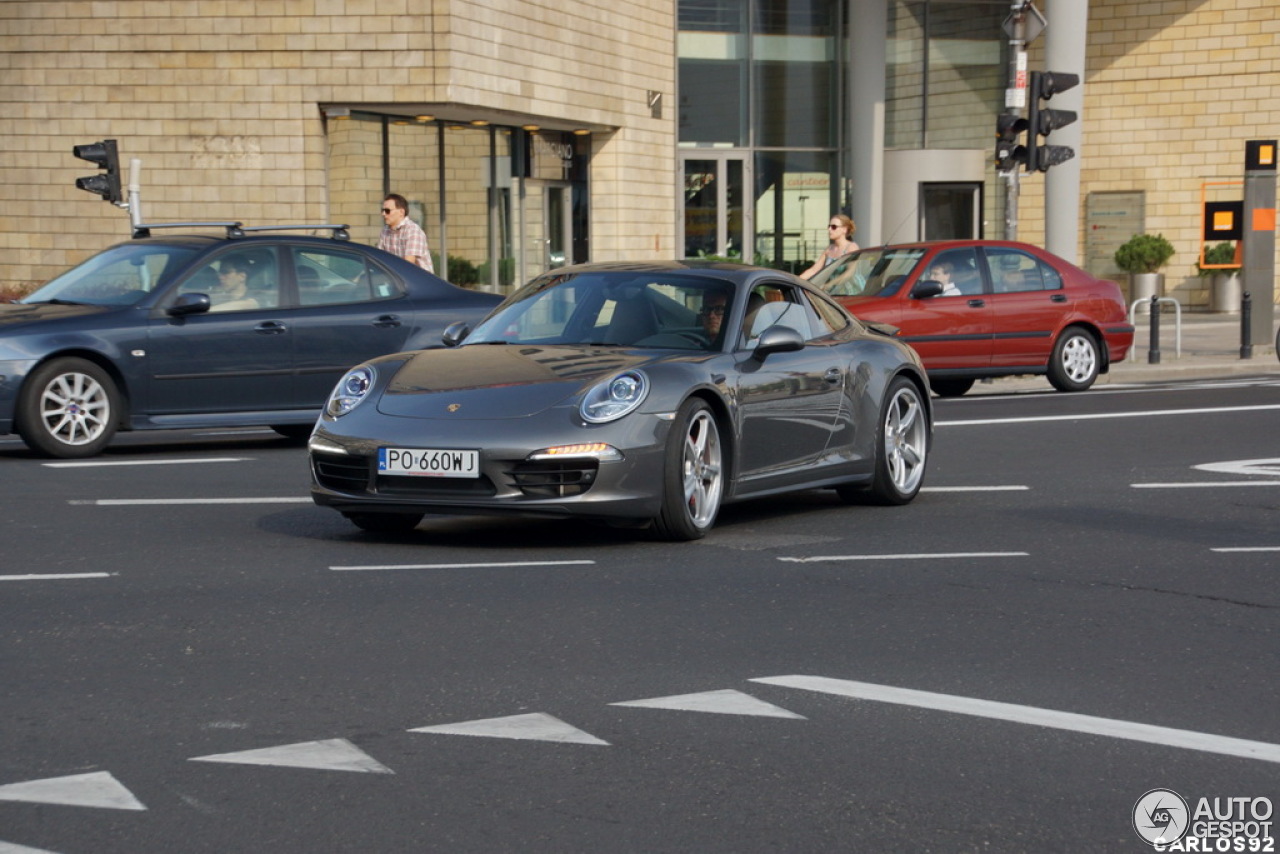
x: 716, y: 220
x: 558, y: 219
x: 951, y: 211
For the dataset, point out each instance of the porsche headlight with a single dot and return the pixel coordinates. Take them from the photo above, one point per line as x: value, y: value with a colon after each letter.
x: 351, y: 389
x: 615, y: 397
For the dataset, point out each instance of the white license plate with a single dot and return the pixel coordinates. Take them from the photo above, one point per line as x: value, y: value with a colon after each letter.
x: 428, y: 462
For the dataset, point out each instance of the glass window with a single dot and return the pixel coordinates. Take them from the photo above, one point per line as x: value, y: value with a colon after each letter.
x: 1013, y: 270
x: 784, y: 305
x: 712, y: 50
x: 630, y: 310
x: 957, y: 271
x: 121, y: 275
x: 793, y: 205
x: 243, y: 279
x: 794, y: 73
x: 829, y: 318
x: 945, y: 72
x: 331, y: 277
x: 868, y: 272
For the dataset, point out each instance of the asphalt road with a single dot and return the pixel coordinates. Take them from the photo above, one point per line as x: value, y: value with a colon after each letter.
x: 1075, y: 612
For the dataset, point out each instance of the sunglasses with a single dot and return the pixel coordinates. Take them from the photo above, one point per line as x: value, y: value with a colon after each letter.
x: 715, y: 309
x: 387, y: 210
x: 835, y: 226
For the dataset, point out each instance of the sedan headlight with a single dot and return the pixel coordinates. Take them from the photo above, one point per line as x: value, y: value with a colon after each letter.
x: 615, y: 397
x: 351, y: 389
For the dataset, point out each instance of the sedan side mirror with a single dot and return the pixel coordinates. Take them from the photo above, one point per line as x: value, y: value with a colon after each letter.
x: 189, y: 304
x: 455, y: 333
x: 778, y: 339
x: 926, y: 289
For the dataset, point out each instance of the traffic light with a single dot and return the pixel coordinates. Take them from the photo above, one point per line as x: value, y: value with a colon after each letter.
x: 106, y: 184
x: 1043, y: 121
x: 1009, y: 150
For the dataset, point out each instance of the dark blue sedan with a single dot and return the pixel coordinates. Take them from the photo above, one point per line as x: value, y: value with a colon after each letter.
x: 247, y: 327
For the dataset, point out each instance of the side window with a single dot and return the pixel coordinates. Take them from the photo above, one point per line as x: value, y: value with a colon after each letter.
x: 1013, y: 271
x: 332, y: 277
x: 957, y: 271
x: 827, y: 318
x: 778, y: 305
x: 1052, y: 281
x: 239, y: 280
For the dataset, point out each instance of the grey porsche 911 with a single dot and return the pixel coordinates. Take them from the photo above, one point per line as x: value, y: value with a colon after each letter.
x: 642, y: 395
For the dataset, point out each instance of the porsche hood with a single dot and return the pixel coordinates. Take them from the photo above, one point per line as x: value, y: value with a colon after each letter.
x: 498, y: 381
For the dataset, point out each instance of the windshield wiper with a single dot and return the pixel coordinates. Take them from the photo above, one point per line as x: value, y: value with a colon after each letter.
x: 57, y: 301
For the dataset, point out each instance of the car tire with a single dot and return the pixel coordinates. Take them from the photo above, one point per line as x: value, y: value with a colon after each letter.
x: 949, y: 387
x: 384, y: 523
x: 68, y: 408
x: 693, y: 475
x: 1076, y: 360
x: 902, y: 449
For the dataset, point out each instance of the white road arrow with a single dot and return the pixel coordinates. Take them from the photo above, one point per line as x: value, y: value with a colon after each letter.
x: 535, y: 726
x: 98, y: 789
x: 335, y: 754
x: 726, y: 702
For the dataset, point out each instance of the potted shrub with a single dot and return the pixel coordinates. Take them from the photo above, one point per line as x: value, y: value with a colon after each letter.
x: 1141, y: 257
x: 1225, y: 288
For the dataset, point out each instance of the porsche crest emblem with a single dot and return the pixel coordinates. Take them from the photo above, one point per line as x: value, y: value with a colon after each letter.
x: 454, y: 407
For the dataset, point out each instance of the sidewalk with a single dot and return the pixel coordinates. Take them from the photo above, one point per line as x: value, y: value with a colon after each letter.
x: 1210, y: 347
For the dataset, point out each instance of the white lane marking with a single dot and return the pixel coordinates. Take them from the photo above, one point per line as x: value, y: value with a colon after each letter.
x: 1109, y: 727
x: 725, y: 702
x: 105, y: 463
x: 140, y: 502
x: 463, y: 565
x: 1247, y: 549
x: 1206, y: 484
x: 11, y: 848
x: 974, y: 422
x: 61, y: 576
x: 919, y: 556
x: 98, y: 789
x: 335, y: 754
x: 974, y: 488
x: 536, y: 726
x: 1245, y: 467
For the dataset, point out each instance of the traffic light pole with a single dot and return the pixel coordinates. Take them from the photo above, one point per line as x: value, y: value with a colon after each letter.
x: 1015, y: 98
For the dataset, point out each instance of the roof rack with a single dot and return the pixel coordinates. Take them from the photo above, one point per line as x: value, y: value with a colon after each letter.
x: 237, y: 229
x: 144, y: 229
x: 340, y: 232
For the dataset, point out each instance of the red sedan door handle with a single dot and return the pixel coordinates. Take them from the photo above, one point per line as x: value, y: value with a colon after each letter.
x: 387, y: 321
x: 271, y: 327
x: 977, y: 303
x: 1058, y: 298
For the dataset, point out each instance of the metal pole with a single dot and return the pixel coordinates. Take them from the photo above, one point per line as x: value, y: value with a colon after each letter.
x: 1014, y: 101
x: 1153, y: 353
x: 1246, y: 324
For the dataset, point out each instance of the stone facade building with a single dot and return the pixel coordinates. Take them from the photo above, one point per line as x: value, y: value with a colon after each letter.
x: 528, y: 135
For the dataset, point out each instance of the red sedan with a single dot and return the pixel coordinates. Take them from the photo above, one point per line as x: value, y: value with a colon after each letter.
x: 987, y: 308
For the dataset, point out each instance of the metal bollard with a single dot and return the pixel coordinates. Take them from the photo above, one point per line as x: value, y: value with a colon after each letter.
x: 1153, y: 353
x: 1246, y: 332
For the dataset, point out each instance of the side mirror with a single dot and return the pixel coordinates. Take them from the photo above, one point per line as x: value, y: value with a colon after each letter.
x: 778, y: 339
x: 926, y: 289
x: 455, y: 333
x: 189, y: 304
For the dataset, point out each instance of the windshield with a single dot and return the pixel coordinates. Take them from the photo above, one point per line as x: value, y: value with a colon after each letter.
x: 121, y: 275
x: 869, y: 272
x: 615, y: 308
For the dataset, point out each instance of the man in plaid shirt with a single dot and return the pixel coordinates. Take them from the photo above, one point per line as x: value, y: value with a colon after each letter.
x: 401, y: 236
